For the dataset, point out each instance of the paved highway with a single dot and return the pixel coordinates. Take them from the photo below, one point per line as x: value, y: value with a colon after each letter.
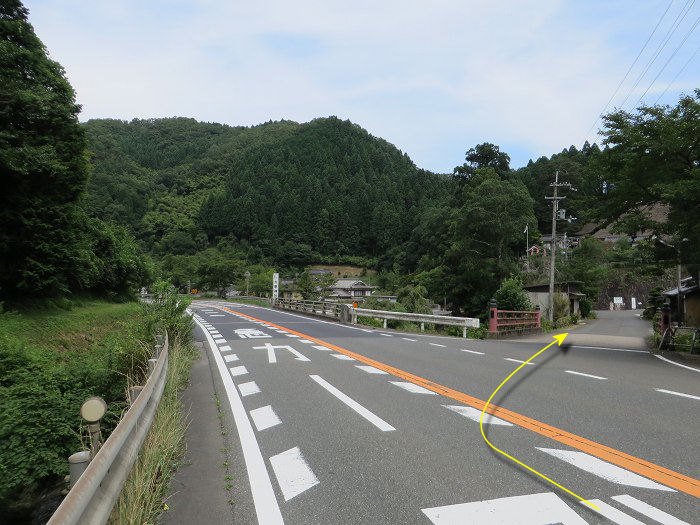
x: 325, y: 423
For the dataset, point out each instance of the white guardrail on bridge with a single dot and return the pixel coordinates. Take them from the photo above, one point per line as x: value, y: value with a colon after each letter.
x: 92, y: 498
x: 348, y: 314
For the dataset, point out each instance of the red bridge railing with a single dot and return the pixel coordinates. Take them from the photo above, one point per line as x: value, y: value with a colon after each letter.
x: 509, y: 322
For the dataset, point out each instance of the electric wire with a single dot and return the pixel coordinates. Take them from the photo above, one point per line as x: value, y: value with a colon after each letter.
x: 677, y: 75
x: 630, y: 68
x: 675, y: 51
x: 674, y: 26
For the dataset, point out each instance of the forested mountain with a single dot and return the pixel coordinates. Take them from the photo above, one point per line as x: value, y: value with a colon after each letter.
x: 327, y: 186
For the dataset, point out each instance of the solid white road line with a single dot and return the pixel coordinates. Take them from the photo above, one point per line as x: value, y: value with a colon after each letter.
x: 249, y: 388
x: 475, y: 415
x: 230, y: 357
x: 648, y: 510
x: 293, y: 473
x: 224, y: 348
x: 343, y: 357
x: 518, y: 361
x: 611, y: 513
x: 584, y: 375
x: 678, y: 364
x: 371, y: 369
x: 264, y: 499
x: 319, y: 347
x: 357, y: 407
x: 531, y: 509
x: 412, y: 387
x: 603, y: 469
x: 264, y: 418
x: 238, y: 371
x: 681, y: 394
x: 615, y: 349
x: 436, y: 344
x: 472, y: 351
x: 407, y: 339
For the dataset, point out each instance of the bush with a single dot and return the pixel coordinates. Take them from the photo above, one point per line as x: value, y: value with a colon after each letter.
x: 585, y: 307
x: 511, y: 296
x: 561, y: 306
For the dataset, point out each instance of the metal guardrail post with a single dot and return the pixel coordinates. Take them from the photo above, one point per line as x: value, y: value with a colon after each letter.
x: 92, y: 497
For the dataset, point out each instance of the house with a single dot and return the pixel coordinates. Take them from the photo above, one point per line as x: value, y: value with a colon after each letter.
x: 539, y: 295
x: 689, y: 302
x: 350, y: 289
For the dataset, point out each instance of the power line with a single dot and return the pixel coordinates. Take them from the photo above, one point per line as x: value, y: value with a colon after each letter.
x: 674, y: 26
x: 690, y: 32
x: 630, y: 68
x: 677, y: 75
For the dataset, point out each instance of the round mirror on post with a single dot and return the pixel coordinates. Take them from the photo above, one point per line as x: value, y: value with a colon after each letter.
x: 93, y: 409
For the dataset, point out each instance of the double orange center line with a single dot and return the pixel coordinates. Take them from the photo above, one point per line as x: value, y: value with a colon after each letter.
x: 640, y: 466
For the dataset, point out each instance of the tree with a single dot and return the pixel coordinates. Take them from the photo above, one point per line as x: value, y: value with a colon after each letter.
x: 487, y: 234
x: 511, y: 295
x: 651, y: 171
x: 217, y: 271
x: 413, y: 298
x: 307, y: 287
x: 484, y: 155
x: 42, y: 162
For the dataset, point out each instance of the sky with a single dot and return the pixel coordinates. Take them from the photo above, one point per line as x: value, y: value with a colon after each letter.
x: 433, y: 78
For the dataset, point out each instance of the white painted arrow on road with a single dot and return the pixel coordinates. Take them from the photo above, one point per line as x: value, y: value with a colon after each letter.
x: 272, y: 357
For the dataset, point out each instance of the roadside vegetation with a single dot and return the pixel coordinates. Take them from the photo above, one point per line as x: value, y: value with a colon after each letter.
x: 52, y: 359
x: 143, y: 497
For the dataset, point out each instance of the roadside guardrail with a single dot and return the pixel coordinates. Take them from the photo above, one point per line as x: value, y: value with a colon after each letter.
x: 92, y: 497
x: 348, y: 314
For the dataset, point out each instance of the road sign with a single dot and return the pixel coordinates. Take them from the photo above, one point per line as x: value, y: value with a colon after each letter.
x: 617, y: 300
x: 275, y: 286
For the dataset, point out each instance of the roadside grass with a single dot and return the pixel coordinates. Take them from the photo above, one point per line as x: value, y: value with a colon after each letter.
x: 143, y: 497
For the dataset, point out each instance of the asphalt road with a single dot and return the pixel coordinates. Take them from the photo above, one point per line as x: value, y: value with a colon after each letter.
x: 331, y: 424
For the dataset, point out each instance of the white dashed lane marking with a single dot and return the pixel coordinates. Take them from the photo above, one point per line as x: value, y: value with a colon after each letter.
x: 224, y: 348
x: 230, y: 357
x: 475, y: 415
x: 472, y: 351
x: 518, y: 361
x: 386, y: 335
x: 407, y: 339
x: 238, y: 371
x: 249, y: 388
x: 649, y: 511
x: 264, y: 418
x: 354, y: 405
x: 436, y: 344
x: 680, y: 394
x: 293, y: 473
x: 613, y: 514
x: 370, y: 369
x: 412, y: 387
x: 343, y: 357
x: 319, y: 347
x: 584, y: 375
x: 603, y: 469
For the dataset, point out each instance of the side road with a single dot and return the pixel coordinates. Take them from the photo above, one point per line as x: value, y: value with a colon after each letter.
x: 612, y: 329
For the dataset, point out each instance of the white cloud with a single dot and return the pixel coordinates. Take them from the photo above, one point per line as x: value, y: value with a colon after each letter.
x: 434, y: 79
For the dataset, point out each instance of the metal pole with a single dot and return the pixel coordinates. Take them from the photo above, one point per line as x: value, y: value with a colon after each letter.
x: 550, y: 314
x: 527, y: 247
x: 680, y: 314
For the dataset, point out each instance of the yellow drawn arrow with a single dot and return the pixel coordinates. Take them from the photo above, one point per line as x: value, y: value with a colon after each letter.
x: 557, y: 339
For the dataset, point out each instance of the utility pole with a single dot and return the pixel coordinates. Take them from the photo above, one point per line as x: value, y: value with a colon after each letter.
x: 555, y: 206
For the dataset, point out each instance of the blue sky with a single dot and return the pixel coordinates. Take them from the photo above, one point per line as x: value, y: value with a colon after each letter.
x: 433, y: 78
